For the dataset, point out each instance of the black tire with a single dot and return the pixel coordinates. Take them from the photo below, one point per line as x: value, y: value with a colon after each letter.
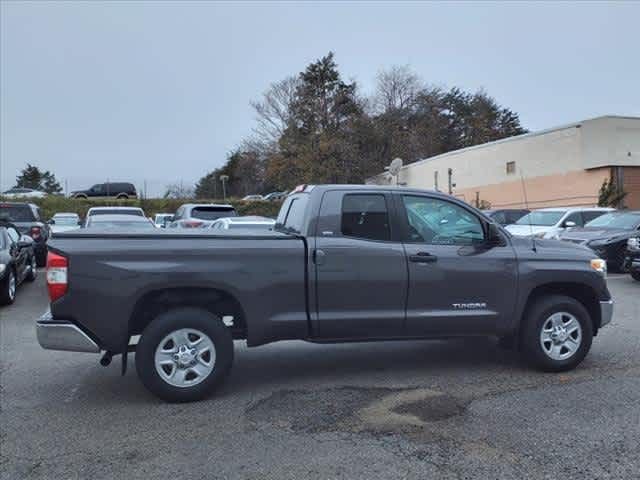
x: 636, y: 276
x: 33, y: 271
x: 536, y: 317
x: 41, y: 258
x: 122, y: 196
x: 163, y: 325
x: 5, y: 296
x: 81, y: 196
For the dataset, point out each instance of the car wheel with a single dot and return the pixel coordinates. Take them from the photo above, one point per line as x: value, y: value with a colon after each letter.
x: 8, y: 288
x: 122, y: 196
x: 33, y: 269
x: 41, y: 257
x: 635, y: 276
x: 81, y: 197
x: 184, y: 354
x: 557, y: 333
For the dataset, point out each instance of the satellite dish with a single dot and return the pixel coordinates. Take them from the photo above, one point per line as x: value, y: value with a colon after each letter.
x: 395, y: 166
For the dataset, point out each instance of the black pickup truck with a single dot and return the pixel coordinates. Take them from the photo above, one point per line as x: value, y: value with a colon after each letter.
x: 344, y: 263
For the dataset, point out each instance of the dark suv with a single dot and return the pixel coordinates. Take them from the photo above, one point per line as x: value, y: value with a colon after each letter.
x: 26, y: 218
x: 118, y: 190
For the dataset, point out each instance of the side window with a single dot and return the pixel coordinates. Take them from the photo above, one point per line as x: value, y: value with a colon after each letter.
x: 500, y: 217
x: 295, y: 214
x: 365, y: 216
x: 575, y: 217
x: 14, y: 236
x: 439, y: 222
x: 591, y: 215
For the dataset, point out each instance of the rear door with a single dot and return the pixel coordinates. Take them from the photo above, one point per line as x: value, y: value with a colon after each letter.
x: 360, y: 269
x: 458, y: 283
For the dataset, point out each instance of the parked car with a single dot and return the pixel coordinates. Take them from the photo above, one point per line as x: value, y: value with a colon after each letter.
x: 93, y: 211
x: 17, y: 261
x: 131, y: 222
x: 252, y: 198
x: 27, y: 219
x: 506, y: 216
x: 632, y: 261
x: 275, y: 196
x: 19, y: 192
x: 161, y: 219
x: 551, y: 222
x: 344, y: 263
x: 64, y: 221
x: 243, y: 223
x: 200, y: 215
x: 120, y: 190
x: 607, y: 236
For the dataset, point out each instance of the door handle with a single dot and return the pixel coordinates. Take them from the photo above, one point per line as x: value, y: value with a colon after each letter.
x: 423, y: 257
x: 318, y: 257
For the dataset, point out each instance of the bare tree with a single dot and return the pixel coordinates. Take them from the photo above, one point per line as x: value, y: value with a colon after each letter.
x: 178, y: 190
x: 396, y: 89
x: 273, y: 111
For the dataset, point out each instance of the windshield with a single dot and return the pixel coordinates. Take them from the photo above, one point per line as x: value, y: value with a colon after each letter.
x: 119, y: 211
x: 67, y: 220
x: 212, y: 213
x: 616, y: 220
x: 542, y: 218
x: 17, y: 213
x: 122, y: 224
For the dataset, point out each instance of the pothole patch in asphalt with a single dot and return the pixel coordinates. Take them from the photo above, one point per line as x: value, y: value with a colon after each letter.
x: 354, y: 409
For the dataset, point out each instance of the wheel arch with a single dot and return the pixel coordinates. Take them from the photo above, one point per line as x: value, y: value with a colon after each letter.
x: 216, y: 301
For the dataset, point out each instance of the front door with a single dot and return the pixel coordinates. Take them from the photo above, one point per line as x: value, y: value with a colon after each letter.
x: 458, y: 283
x: 360, y: 269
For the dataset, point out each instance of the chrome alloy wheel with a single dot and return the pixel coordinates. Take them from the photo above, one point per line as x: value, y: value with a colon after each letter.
x: 561, y: 336
x: 185, y: 357
x: 11, y: 285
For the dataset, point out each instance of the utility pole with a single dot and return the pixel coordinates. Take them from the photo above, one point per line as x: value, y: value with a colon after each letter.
x: 223, y: 179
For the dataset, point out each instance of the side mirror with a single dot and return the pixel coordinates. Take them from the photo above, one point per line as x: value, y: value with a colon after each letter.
x: 494, y: 237
x: 569, y: 224
x: 51, y: 222
x: 25, y: 241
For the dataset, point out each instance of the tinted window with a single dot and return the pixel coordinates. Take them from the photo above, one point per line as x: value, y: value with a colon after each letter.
x: 542, y: 218
x: 120, y: 211
x: 499, y: 217
x: 591, y: 215
x: 629, y: 220
x: 294, y: 218
x: 439, y: 222
x: 365, y: 216
x: 17, y: 213
x: 514, y: 216
x: 212, y: 213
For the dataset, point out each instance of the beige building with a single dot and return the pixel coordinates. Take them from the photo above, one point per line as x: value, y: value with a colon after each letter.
x: 563, y: 166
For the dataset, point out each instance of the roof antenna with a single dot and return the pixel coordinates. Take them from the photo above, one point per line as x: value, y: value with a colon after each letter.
x: 526, y: 204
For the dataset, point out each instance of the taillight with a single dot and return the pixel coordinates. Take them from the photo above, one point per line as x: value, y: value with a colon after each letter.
x: 35, y: 232
x: 191, y: 224
x: 56, y: 275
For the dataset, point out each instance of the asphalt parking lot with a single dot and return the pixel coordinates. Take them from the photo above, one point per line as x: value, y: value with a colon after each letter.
x: 428, y: 409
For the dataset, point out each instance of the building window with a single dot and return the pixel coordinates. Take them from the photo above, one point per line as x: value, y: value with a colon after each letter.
x: 511, y: 168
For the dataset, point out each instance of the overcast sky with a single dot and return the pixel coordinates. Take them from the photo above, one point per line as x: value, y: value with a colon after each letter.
x: 160, y: 91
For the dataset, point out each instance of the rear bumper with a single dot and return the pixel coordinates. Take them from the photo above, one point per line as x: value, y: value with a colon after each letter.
x: 63, y: 335
x: 606, y: 312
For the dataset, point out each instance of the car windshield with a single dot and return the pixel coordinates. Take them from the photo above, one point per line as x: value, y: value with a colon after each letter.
x: 542, y: 218
x: 66, y: 220
x: 616, y: 220
x: 212, y: 213
x: 120, y: 211
x: 17, y: 213
x: 122, y: 224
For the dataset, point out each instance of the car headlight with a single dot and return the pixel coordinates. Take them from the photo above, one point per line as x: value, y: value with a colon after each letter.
x: 599, y: 265
x: 2, y: 268
x: 633, y: 243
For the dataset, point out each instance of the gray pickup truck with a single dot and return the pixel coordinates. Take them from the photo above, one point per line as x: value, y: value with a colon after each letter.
x: 344, y: 263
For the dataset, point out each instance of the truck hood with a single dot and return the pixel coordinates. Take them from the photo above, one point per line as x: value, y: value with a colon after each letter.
x: 526, y: 230
x: 551, y: 249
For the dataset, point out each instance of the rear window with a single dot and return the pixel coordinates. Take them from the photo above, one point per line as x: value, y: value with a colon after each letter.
x: 17, y: 213
x: 212, y: 213
x: 120, y: 211
x: 291, y: 217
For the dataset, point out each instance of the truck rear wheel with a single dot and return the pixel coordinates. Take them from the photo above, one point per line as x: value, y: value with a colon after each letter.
x: 184, y: 354
x: 557, y: 333
x: 636, y: 275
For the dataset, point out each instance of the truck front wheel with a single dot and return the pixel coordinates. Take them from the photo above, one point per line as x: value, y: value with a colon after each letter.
x: 557, y: 333
x: 184, y: 354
